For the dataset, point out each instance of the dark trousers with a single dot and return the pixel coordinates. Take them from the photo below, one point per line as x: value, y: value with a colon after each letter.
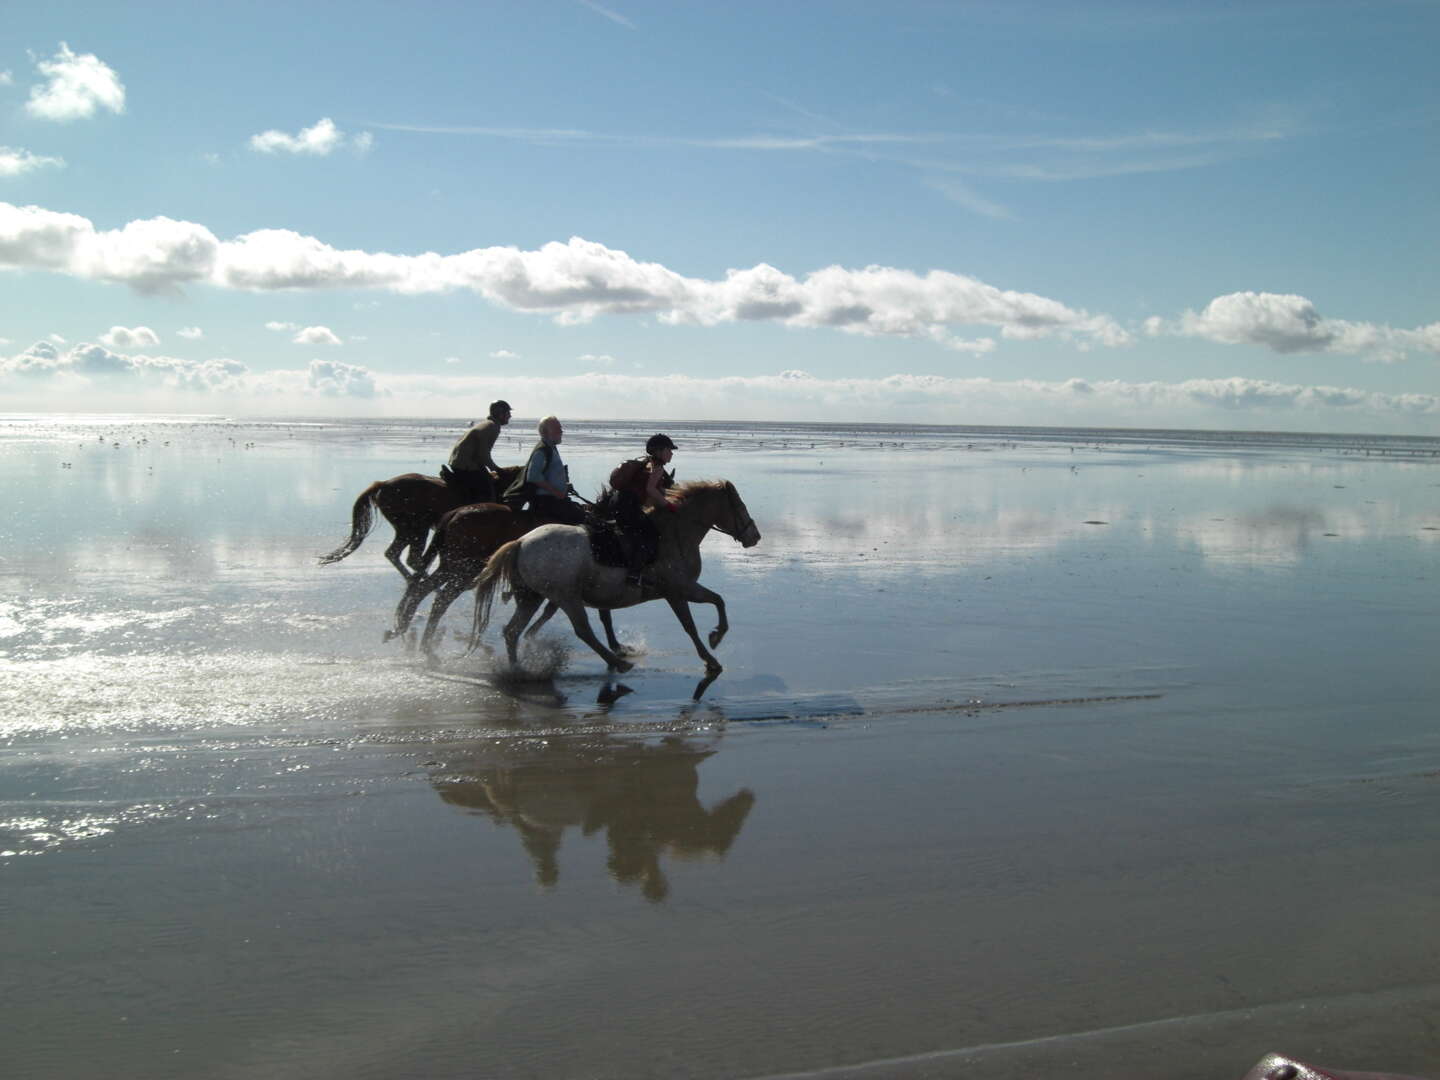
x: 562, y: 510
x: 475, y: 485
x: 643, y: 539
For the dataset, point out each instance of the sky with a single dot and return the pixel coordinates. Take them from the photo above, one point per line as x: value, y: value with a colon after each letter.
x: 1197, y: 215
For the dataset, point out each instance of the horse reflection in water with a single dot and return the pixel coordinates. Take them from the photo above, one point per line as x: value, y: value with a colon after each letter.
x: 642, y: 795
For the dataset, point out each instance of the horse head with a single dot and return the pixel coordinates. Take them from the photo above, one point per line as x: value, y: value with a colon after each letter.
x: 741, y: 525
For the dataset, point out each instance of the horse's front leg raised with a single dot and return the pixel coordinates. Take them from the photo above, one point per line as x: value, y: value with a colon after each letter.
x: 698, y: 594
x: 681, y: 606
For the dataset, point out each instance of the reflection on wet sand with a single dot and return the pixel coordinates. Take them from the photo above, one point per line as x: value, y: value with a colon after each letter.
x: 643, y: 795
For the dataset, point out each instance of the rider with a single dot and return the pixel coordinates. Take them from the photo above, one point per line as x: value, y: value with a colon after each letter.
x: 545, y: 481
x: 471, y: 467
x: 638, y: 483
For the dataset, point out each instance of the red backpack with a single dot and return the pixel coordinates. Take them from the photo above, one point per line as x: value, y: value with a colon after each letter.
x: 624, y: 476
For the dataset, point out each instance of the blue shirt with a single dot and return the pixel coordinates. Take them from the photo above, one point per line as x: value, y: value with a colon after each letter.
x: 535, y: 470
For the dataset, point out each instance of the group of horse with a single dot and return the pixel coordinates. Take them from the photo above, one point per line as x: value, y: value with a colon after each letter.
x: 493, y: 547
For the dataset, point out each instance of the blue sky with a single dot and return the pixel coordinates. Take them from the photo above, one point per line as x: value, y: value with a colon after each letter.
x: 1198, y: 214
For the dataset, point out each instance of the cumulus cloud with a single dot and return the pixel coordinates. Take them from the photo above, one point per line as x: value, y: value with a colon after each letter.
x: 6, y: 78
x: 89, y: 363
x: 322, y: 139
x: 45, y: 367
x: 120, y: 337
x: 1233, y: 402
x: 504, y: 354
x: 18, y: 162
x: 316, y: 335
x: 190, y: 333
x: 331, y: 378
x: 76, y: 86
x: 1288, y: 324
x: 278, y: 326
x: 573, y: 282
x: 603, y: 360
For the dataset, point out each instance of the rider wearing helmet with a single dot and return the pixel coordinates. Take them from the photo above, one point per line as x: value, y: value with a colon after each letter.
x: 637, y: 484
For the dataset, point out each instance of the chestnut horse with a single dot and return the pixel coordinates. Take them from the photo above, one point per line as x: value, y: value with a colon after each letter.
x: 413, y: 504
x: 464, y: 540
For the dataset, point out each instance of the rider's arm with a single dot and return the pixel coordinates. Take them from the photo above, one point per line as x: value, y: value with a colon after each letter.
x: 655, y: 490
x: 486, y: 450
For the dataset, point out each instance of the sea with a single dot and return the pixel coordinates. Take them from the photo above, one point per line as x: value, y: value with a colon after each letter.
x: 1038, y: 751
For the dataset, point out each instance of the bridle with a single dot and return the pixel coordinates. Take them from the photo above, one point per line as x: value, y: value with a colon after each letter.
x: 733, y: 497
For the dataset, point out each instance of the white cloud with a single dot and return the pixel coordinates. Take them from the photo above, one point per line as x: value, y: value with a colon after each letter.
x: 504, y: 354
x: 89, y: 366
x: 57, y: 339
x: 276, y: 325
x: 1286, y: 323
x: 6, y: 78
x: 76, y: 86
x: 453, y: 360
x: 17, y: 162
x: 320, y: 140
x: 316, y: 335
x: 602, y: 361
x: 1235, y: 402
x: 190, y: 333
x: 574, y: 282
x: 331, y: 378
x: 120, y: 337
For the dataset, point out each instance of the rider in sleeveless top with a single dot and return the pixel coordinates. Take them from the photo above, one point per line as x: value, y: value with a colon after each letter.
x: 641, y: 483
x: 472, y: 467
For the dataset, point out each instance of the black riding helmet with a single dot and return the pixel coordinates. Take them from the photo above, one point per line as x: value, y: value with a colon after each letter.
x: 656, y: 443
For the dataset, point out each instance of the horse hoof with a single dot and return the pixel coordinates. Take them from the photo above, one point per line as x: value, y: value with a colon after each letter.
x: 390, y: 635
x: 716, y: 636
x: 621, y: 666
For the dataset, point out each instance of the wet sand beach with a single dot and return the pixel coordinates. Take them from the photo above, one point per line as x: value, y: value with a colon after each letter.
x: 1099, y: 753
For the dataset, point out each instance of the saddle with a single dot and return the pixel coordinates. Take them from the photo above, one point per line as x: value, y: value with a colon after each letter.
x: 613, y: 545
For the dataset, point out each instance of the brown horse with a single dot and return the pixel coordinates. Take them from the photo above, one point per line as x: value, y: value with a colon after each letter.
x: 464, y: 540
x: 413, y: 504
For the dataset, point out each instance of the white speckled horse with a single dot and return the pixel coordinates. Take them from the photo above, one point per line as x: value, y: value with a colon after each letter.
x: 555, y: 563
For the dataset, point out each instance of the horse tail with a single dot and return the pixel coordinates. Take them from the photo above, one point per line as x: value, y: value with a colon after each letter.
x: 361, y: 518
x: 500, y: 570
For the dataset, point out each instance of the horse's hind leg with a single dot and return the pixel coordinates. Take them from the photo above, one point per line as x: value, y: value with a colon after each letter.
x: 525, y: 604
x: 608, y: 622
x: 445, y: 594
x: 420, y: 587
x: 581, y: 622
x: 400, y: 543
x: 545, y: 615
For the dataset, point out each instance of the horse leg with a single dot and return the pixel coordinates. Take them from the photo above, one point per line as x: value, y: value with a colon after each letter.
x: 525, y: 604
x: 420, y: 587
x: 545, y: 615
x: 581, y: 622
x: 610, y: 639
x: 445, y: 595
x: 696, y: 593
x: 400, y: 543
x: 416, y: 556
x: 681, y: 606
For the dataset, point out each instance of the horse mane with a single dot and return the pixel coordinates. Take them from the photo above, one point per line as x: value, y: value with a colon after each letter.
x: 695, y: 486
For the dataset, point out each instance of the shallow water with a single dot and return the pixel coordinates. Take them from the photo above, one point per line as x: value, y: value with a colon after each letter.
x: 1102, y: 751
